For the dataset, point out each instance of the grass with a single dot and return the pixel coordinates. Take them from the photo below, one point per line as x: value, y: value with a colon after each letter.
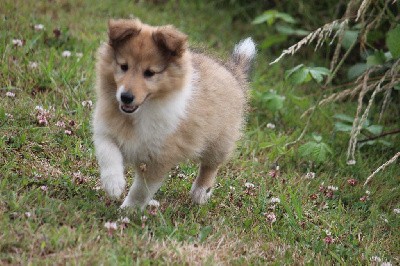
x: 52, y: 212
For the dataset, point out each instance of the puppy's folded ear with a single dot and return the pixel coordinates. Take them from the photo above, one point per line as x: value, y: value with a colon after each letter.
x: 170, y: 40
x: 122, y: 29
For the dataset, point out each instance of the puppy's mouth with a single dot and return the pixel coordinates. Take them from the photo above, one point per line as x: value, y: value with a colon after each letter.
x: 129, y: 108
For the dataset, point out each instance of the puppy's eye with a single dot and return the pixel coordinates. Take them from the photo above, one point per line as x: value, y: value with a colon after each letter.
x: 148, y: 73
x: 124, y: 67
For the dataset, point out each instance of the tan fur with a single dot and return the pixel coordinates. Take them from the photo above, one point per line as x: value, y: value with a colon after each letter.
x: 213, y: 116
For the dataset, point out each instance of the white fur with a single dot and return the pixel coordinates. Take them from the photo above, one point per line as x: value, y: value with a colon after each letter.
x: 246, y: 47
x: 141, y: 192
x: 120, y: 90
x: 199, y: 194
x: 155, y: 120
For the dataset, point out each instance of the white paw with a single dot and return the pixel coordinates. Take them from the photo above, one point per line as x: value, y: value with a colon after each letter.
x: 129, y: 203
x: 114, y: 187
x: 200, y: 195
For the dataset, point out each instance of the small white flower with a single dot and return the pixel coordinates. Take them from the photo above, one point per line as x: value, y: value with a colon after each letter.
x: 232, y: 188
x: 376, y: 259
x: 396, y: 211
x: 310, y: 175
x: 333, y: 188
x: 351, y: 162
x: 249, y: 185
x: 271, y: 217
x: 44, y: 188
x: 66, y: 54
x: 367, y: 192
x: 39, y: 27
x: 9, y: 116
x: 28, y: 214
x: 270, y: 126
x: 327, y: 232
x: 386, y: 263
x: 68, y: 132
x: 154, y: 203
x: 111, y: 225
x: 87, y: 103
x: 60, y: 124
x: 17, y: 42
x: 124, y: 220
x: 143, y: 218
x: 33, y: 65
x: 275, y: 200
x: 10, y: 94
x: 39, y: 108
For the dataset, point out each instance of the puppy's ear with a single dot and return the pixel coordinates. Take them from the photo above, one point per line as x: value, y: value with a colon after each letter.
x: 122, y: 29
x: 170, y: 40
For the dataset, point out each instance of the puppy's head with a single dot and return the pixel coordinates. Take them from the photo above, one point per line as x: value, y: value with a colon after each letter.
x: 148, y: 62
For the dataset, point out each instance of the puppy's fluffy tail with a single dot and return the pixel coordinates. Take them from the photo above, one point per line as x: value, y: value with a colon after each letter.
x: 242, y: 58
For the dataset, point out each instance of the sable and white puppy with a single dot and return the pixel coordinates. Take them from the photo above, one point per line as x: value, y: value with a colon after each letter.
x: 159, y: 103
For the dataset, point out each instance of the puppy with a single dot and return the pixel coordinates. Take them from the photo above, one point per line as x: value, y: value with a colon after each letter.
x: 160, y: 103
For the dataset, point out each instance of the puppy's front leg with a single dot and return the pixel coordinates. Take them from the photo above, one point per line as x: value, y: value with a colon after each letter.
x: 111, y: 166
x: 141, y: 192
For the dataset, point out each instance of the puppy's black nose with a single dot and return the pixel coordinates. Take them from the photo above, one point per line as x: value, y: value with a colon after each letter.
x: 127, y: 97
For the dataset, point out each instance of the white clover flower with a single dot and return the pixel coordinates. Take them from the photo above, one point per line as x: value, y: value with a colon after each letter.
x: 154, y: 203
x: 33, y: 65
x: 333, y: 188
x: 28, y: 214
x: 17, y: 42
x: 66, y: 53
x: 87, y: 103
x: 351, y: 162
x: 143, y: 218
x: 310, y: 175
x: 111, y: 225
x: 271, y: 217
x: 60, y: 124
x: 270, y: 126
x: 232, y: 188
x: 10, y: 94
x: 386, y: 263
x: 124, y: 220
x: 396, y: 211
x: 44, y: 188
x: 367, y: 192
x: 275, y: 200
x: 249, y: 185
x: 68, y: 132
x: 39, y: 27
x: 327, y: 232
x: 376, y: 259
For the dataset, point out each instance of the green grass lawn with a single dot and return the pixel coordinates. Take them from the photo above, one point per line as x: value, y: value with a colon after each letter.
x: 53, y: 212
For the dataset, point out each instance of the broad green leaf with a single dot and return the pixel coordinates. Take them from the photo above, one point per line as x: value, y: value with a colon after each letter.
x: 378, y: 58
x: 273, y: 101
x: 271, y: 15
x: 375, y: 129
x: 288, y: 30
x: 356, y: 70
x: 344, y: 117
x: 317, y: 152
x: 350, y: 36
x: 271, y: 40
x: 318, y: 72
x: 393, y: 41
x: 340, y: 126
x: 291, y: 71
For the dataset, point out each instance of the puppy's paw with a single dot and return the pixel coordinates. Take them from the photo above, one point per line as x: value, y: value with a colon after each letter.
x: 130, y: 204
x: 113, y: 186
x: 200, y: 195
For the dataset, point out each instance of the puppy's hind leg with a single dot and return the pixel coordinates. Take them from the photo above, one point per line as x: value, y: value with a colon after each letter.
x: 202, y: 187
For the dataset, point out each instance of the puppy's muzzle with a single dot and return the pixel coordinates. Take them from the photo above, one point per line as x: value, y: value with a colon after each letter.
x: 127, y: 105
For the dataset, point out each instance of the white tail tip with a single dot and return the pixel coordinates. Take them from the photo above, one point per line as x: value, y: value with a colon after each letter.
x: 245, y: 47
